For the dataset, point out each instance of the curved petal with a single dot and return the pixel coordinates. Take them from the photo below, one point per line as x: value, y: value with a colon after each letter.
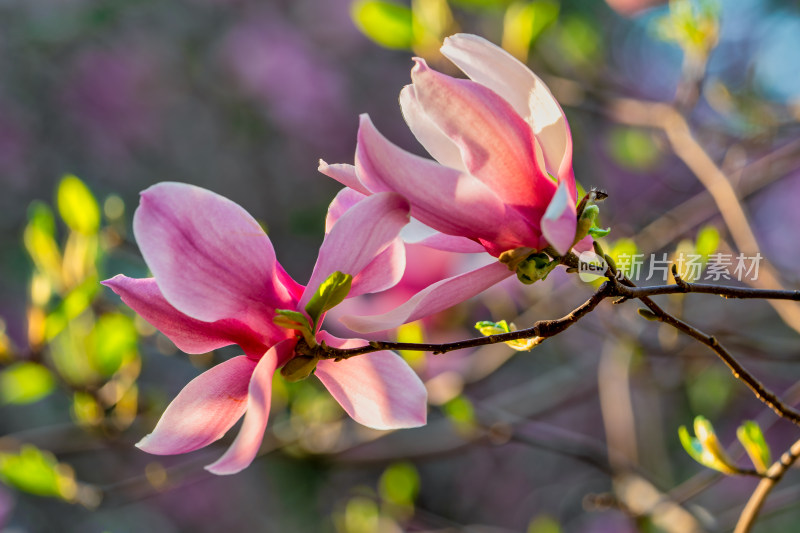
x: 344, y: 174
x: 378, y: 390
x: 210, y: 258
x: 244, y: 449
x: 442, y: 198
x: 450, y: 243
x: 496, y: 144
x: 188, y: 334
x: 493, y: 67
x: 434, y: 298
x: 362, y: 233
x: 344, y: 200
x: 559, y: 222
x: 439, y: 145
x: 384, y: 272
x: 203, y: 411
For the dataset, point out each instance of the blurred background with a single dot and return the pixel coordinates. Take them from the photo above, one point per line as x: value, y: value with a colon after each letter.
x: 100, y: 99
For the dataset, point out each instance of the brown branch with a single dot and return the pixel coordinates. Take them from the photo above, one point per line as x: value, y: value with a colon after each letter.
x: 739, y: 372
x: 726, y: 291
x: 773, y: 476
x: 542, y: 328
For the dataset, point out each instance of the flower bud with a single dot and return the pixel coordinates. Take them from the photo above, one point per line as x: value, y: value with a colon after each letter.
x: 299, y: 368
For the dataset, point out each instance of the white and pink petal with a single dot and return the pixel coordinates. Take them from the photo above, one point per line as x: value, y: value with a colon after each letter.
x: 204, y: 410
x: 378, y: 390
x: 434, y: 298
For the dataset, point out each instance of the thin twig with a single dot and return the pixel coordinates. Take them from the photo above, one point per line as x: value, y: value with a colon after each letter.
x: 542, y: 328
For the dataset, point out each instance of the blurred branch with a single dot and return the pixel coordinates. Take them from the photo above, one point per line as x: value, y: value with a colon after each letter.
x: 688, y: 149
x: 773, y: 476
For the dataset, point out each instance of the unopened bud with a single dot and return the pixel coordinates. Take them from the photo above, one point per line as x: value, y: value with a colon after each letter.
x: 299, y: 368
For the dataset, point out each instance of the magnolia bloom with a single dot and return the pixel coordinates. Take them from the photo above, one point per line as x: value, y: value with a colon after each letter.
x: 216, y: 282
x: 502, y: 179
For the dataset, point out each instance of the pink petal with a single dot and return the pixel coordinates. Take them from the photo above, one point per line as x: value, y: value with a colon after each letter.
x: 450, y: 243
x: 439, y: 145
x: 493, y: 67
x: 584, y: 245
x: 244, y: 449
x: 203, y: 411
x: 344, y: 174
x: 378, y: 390
x: 496, y: 144
x: 383, y: 272
x: 344, y: 200
x: 442, y: 198
x: 188, y: 334
x: 434, y: 298
x: 559, y: 223
x: 210, y: 258
x: 362, y: 233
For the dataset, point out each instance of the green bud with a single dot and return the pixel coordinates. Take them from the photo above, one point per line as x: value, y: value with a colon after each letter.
x: 330, y: 293
x: 299, y: 368
x: 752, y: 438
x: 705, y: 448
x: 535, y: 267
x: 487, y: 327
x: 288, y: 319
x: 647, y: 314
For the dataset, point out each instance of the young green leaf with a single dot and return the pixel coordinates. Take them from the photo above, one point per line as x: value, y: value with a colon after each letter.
x: 752, y: 438
x: 330, y: 293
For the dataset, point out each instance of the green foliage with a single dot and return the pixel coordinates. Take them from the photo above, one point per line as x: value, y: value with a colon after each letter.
x: 692, y: 24
x: 399, y: 484
x: 37, y: 472
x: 389, y: 24
x: 25, y: 382
x: 77, y: 206
x: 113, y: 341
x: 633, y: 148
x: 544, y: 524
x: 460, y: 412
x: 361, y: 515
x: 524, y: 22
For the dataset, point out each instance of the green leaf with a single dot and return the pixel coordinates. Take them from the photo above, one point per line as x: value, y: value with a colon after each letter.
x: 752, y: 438
x: 691, y: 445
x: 330, y: 293
x: 387, y: 23
x: 598, y: 233
x: 114, y: 340
x: 37, y: 472
x: 77, y: 206
x: 25, y: 382
x: 399, y: 484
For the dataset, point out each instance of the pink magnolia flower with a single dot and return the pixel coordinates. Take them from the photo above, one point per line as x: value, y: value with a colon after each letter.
x: 216, y: 282
x: 502, y: 179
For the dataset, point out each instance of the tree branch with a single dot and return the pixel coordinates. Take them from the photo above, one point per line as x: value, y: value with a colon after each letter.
x: 773, y: 476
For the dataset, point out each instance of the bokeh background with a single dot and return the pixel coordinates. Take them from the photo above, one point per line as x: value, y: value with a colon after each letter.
x: 100, y: 99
